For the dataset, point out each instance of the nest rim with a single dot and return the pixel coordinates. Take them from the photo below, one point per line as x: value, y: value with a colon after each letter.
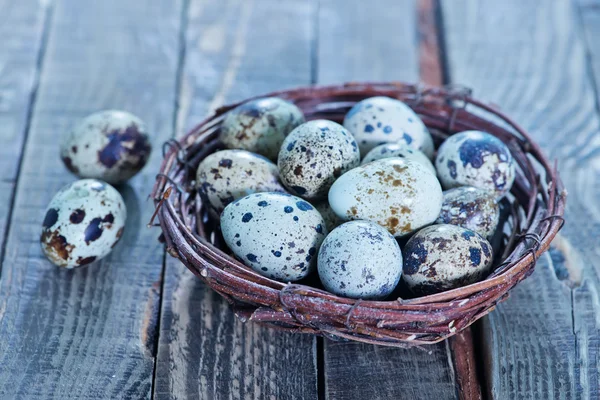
x: 300, y: 308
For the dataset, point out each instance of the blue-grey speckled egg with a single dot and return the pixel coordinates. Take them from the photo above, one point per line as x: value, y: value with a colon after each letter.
x: 474, y: 158
x: 314, y: 155
x: 277, y: 235
x: 109, y: 145
x: 83, y: 222
x: 361, y: 260
x: 260, y: 125
x: 379, y: 120
x: 472, y: 208
x: 228, y: 175
x: 444, y: 257
x: 401, y: 150
x: 396, y: 193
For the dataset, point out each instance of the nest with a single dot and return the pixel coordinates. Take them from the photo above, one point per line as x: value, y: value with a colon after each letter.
x: 532, y: 217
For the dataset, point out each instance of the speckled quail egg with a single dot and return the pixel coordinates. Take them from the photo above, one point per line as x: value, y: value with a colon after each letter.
x: 277, y: 235
x: 314, y: 155
x: 227, y: 175
x: 444, y: 257
x: 83, y: 222
x: 260, y: 125
x: 379, y: 120
x: 109, y: 145
x: 475, y: 158
x: 398, y: 194
x: 361, y: 260
x: 401, y: 150
x: 331, y: 219
x: 472, y: 208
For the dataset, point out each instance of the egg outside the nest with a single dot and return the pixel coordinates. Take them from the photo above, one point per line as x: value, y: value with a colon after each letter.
x: 398, y: 194
x: 444, y: 257
x: 108, y: 145
x: 82, y: 223
x: 360, y: 260
x: 277, y: 235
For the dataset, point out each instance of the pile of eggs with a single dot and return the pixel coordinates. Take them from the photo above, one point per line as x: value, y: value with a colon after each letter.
x: 86, y: 218
x: 299, y: 198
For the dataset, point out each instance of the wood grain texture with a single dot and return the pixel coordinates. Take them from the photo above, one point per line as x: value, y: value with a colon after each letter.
x: 530, y: 58
x: 360, y: 41
x: 23, y: 28
x: 89, y: 333
x: 234, y: 49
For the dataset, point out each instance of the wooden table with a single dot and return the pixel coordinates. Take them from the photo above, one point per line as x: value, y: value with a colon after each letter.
x: 138, y: 325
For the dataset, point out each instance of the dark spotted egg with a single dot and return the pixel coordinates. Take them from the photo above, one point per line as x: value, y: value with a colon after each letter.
x: 227, y: 175
x: 472, y: 208
x: 444, y: 257
x: 109, y: 145
x: 277, y: 235
x: 83, y: 222
x: 475, y: 158
x: 398, y: 194
x: 360, y: 260
x: 314, y: 155
x: 331, y: 219
x: 380, y: 119
x: 260, y: 125
x: 401, y: 150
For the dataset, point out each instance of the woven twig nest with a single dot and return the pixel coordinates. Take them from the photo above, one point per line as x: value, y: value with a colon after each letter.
x: 532, y: 217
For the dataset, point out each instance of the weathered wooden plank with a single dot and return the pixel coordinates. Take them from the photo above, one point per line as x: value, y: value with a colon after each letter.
x: 358, y: 41
x: 89, y: 333
x: 529, y: 58
x: 235, y: 49
x: 22, y: 27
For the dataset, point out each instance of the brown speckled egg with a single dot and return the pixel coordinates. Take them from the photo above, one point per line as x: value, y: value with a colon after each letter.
x: 472, y: 208
x: 401, y: 150
x: 444, y: 257
x: 314, y: 155
x: 228, y: 175
x: 83, y: 222
x: 360, y: 260
x: 396, y: 193
x: 260, y: 126
x: 109, y: 145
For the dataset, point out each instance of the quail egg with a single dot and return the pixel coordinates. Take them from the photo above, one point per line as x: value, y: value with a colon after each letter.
x: 379, y: 120
x: 260, y: 125
x: 109, y: 145
x: 277, y: 235
x: 227, y: 175
x: 475, y: 158
x: 444, y: 257
x: 314, y: 155
x: 472, y: 208
x: 401, y: 150
x: 398, y: 194
x: 83, y: 222
x: 361, y: 260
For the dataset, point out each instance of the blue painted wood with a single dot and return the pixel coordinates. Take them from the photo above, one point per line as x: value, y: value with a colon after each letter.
x: 89, y: 333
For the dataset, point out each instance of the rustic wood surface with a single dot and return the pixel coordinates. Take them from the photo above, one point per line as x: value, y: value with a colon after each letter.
x: 88, y: 333
x: 530, y: 59
x: 138, y: 325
